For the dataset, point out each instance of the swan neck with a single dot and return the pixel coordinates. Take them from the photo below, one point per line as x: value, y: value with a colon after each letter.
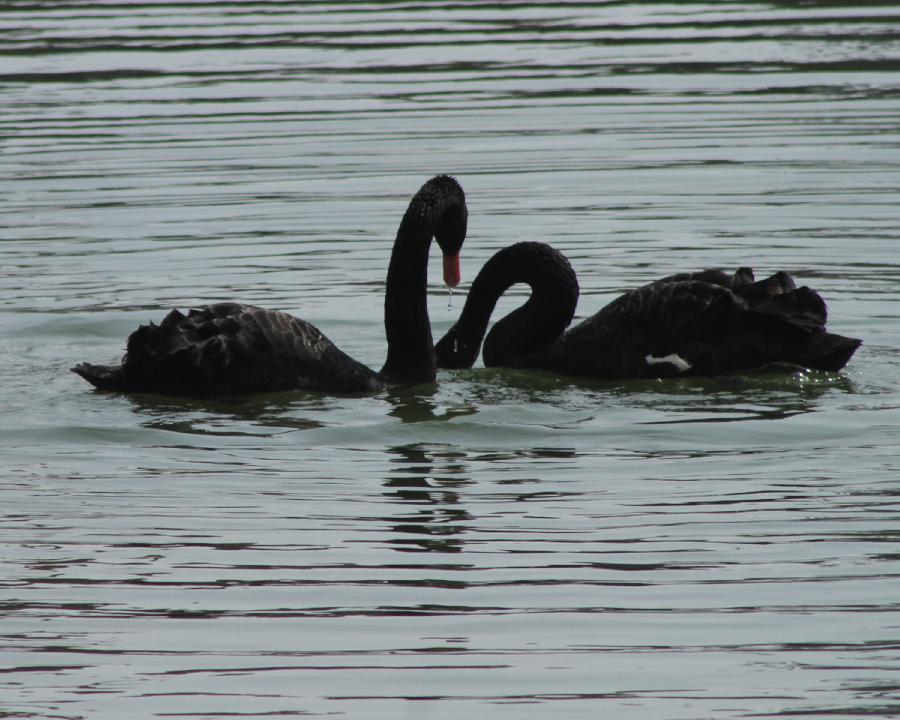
x: 410, y: 353
x: 531, y: 328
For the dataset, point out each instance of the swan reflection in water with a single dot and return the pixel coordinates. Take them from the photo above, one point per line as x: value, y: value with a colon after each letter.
x: 251, y: 415
x: 429, y: 478
x: 431, y: 486
x: 270, y: 414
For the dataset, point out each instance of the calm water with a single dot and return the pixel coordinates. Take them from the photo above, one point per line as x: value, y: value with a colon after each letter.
x: 502, y: 545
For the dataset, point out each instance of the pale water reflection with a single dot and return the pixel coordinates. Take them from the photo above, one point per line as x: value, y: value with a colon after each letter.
x: 501, y: 544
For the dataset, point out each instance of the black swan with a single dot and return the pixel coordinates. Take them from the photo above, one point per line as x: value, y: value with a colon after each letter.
x: 232, y: 348
x: 705, y: 323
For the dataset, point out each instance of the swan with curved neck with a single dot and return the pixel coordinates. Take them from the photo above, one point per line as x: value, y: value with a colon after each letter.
x: 233, y: 348
x: 705, y: 323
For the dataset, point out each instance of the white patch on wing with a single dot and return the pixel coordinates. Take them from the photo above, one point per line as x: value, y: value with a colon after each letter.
x: 679, y: 362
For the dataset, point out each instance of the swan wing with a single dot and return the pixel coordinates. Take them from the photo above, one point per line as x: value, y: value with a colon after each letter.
x: 231, y: 347
x: 694, y: 327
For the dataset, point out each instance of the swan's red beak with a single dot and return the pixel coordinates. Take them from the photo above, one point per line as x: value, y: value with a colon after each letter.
x: 451, y: 270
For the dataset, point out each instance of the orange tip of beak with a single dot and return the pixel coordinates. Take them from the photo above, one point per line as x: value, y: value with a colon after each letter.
x: 451, y: 270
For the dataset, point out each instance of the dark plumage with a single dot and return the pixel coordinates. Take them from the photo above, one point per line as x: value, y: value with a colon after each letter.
x: 232, y: 348
x: 705, y: 323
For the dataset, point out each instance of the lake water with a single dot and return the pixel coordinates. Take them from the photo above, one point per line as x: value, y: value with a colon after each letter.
x: 503, y: 544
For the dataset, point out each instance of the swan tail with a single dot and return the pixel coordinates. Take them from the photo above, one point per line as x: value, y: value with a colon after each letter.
x: 828, y: 351
x: 801, y: 341
x: 102, y: 377
x: 794, y: 321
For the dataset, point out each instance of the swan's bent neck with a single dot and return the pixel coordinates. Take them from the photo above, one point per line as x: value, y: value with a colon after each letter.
x: 437, y: 210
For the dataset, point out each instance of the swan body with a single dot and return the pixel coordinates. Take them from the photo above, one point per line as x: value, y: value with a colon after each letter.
x: 229, y: 347
x: 706, y: 323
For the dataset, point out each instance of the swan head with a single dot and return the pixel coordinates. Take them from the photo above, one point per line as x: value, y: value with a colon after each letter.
x: 450, y: 227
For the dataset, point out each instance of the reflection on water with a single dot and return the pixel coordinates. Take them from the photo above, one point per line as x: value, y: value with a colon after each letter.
x: 261, y: 414
x: 420, y: 404
x: 502, y: 544
x: 435, y: 522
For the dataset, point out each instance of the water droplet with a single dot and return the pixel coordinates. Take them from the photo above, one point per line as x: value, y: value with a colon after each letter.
x: 450, y: 299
